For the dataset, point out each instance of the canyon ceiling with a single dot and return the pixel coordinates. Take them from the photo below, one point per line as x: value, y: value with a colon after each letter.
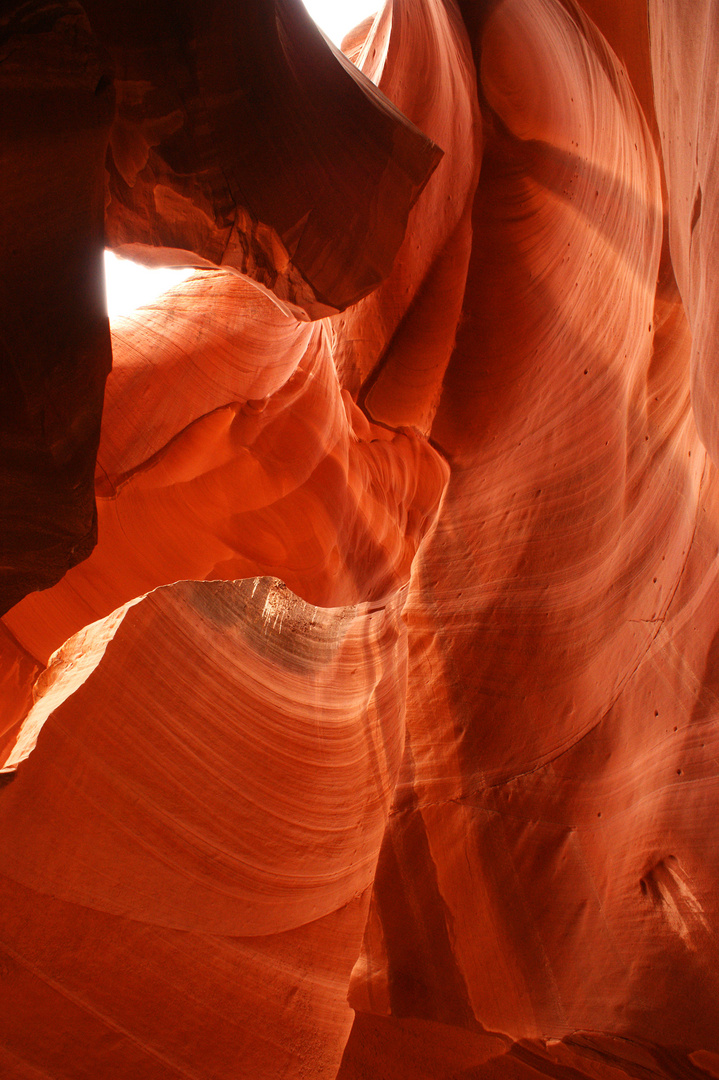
x: 359, y: 659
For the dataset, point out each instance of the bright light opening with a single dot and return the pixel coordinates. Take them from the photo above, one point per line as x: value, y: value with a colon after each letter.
x: 130, y: 285
x: 338, y: 17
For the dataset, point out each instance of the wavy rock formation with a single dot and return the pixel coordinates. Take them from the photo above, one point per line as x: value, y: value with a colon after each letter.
x: 180, y: 849
x: 221, y: 483
x: 377, y: 737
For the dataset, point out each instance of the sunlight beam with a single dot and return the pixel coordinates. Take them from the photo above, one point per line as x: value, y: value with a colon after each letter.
x: 338, y: 17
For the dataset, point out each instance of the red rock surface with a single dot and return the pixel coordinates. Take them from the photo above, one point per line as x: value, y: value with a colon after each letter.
x: 55, y: 93
x: 378, y: 735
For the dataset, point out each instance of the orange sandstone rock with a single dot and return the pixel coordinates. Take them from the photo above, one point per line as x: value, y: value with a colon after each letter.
x: 185, y: 870
x: 541, y: 874
x: 477, y: 502
x: 220, y: 484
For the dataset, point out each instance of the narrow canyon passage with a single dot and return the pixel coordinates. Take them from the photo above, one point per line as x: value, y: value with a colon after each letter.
x: 359, y: 704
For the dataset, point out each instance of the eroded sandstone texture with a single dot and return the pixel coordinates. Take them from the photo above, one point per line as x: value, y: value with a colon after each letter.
x: 378, y: 735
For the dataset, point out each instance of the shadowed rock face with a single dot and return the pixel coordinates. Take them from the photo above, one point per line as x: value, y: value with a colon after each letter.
x: 57, y: 107
x: 377, y: 736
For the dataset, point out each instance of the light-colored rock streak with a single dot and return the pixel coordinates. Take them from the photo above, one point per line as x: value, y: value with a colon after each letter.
x: 217, y: 759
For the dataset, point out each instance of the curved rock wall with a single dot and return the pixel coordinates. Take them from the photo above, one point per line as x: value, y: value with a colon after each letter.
x: 377, y: 737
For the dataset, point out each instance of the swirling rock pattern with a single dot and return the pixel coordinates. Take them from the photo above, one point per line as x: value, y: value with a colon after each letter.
x: 177, y: 834
x: 377, y: 737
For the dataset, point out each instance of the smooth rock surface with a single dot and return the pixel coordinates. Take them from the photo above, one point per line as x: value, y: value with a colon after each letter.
x: 378, y: 736
x: 184, y: 872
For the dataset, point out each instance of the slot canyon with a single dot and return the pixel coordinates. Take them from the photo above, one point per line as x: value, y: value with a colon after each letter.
x: 359, y: 651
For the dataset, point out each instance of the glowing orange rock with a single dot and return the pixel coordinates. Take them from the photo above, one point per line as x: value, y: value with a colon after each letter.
x: 545, y: 871
x: 488, y: 490
x: 185, y: 865
x: 218, y: 483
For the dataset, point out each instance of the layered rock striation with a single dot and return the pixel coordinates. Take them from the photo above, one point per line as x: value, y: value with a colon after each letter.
x: 377, y: 736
